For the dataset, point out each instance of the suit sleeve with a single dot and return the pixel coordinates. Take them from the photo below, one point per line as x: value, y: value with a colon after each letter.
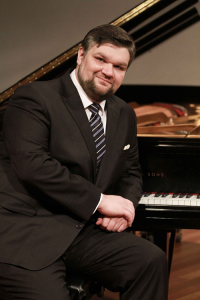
x: 26, y: 133
x: 129, y: 185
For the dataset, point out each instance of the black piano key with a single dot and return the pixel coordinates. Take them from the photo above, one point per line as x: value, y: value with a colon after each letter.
x: 189, y: 195
x: 146, y: 194
x: 158, y: 194
x: 198, y: 196
x: 165, y: 195
x: 181, y: 195
x: 175, y: 195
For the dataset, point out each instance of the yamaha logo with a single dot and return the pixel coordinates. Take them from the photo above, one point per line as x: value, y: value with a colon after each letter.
x: 155, y: 174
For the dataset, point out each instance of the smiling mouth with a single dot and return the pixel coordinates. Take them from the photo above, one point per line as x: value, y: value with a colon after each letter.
x: 104, y: 80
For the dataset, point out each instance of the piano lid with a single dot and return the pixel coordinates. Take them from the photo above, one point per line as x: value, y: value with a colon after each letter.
x: 146, y: 37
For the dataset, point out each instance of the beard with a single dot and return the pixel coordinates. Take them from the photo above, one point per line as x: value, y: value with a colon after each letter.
x: 92, y: 90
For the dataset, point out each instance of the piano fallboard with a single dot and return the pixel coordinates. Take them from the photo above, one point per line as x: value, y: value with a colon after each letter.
x: 170, y: 164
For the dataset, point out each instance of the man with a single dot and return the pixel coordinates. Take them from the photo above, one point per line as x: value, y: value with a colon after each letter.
x: 71, y: 180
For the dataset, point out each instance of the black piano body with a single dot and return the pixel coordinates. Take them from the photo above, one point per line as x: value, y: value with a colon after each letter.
x: 171, y: 169
x: 171, y: 166
x: 170, y: 163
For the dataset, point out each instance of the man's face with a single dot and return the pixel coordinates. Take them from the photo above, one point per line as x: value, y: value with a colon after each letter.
x: 101, y: 70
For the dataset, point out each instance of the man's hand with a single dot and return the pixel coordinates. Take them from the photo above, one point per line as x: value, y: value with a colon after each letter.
x: 116, y: 206
x: 112, y: 224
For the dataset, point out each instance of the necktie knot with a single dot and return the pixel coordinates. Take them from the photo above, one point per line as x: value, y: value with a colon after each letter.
x: 94, y: 108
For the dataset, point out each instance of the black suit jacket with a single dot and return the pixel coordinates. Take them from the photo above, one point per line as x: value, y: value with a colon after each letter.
x: 49, y: 187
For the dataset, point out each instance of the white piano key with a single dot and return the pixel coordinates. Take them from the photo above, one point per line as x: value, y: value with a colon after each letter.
x: 157, y: 200
x: 193, y: 202
x: 194, y: 197
x: 163, y: 201
x: 169, y: 196
x: 151, y: 200
x: 175, y: 201
x: 152, y: 196
x: 187, y: 202
x: 169, y: 200
x: 181, y: 202
x: 144, y: 200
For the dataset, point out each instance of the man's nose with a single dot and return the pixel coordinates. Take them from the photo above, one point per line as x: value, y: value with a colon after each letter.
x: 108, y: 70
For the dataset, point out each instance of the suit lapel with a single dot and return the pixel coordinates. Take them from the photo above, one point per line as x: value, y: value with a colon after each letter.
x: 112, y: 121
x: 74, y: 105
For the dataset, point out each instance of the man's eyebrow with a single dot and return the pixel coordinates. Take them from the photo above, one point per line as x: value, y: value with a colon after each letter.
x: 119, y: 63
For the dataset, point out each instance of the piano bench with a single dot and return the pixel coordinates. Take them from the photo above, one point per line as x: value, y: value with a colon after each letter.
x: 82, y: 288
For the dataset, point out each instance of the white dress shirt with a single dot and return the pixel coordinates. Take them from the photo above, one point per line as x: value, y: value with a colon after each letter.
x: 86, y: 103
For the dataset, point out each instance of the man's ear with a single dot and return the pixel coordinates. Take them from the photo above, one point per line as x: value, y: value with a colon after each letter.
x: 80, y: 56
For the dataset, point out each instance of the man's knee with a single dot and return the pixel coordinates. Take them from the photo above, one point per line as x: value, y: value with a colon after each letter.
x: 149, y: 255
x: 156, y: 259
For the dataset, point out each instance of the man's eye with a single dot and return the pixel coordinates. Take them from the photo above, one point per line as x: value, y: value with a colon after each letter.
x: 99, y: 58
x: 118, y: 67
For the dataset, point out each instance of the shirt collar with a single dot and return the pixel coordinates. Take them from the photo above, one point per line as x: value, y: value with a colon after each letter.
x: 84, y: 98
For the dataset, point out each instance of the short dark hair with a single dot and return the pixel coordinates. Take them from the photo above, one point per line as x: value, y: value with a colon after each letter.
x: 109, y: 34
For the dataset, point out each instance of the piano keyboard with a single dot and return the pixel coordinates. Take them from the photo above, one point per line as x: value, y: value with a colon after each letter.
x: 170, y: 199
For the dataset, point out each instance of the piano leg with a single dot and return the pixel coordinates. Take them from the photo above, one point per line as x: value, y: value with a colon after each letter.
x: 171, y: 248
x: 165, y: 240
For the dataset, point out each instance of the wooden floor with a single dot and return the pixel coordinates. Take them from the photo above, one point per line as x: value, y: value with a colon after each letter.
x: 184, y: 281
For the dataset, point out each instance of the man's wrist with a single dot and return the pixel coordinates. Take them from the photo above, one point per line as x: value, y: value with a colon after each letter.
x: 98, y: 203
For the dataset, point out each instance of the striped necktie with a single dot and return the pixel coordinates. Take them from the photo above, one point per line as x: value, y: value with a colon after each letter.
x: 98, y: 132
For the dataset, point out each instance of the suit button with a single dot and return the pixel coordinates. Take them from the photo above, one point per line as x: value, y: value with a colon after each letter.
x: 79, y: 226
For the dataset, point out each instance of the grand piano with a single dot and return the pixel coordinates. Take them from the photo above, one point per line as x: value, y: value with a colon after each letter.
x: 169, y: 146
